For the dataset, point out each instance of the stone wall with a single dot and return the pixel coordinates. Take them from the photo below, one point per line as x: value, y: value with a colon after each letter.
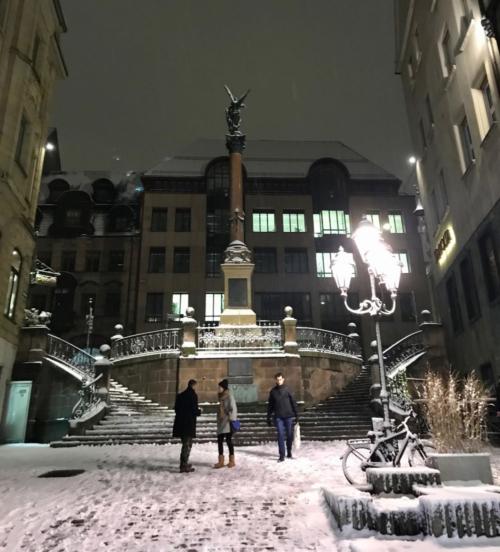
x: 154, y: 376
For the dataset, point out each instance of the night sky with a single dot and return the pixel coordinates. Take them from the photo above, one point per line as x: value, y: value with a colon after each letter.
x: 146, y: 77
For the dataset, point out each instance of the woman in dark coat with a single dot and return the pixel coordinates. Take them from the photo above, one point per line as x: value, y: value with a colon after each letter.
x: 226, y: 414
x: 186, y: 412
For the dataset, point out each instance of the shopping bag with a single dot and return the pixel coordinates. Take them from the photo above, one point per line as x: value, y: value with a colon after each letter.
x: 296, y: 436
x: 235, y: 425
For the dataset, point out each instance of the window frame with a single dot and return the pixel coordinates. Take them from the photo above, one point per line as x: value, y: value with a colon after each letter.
x: 211, y: 298
x: 261, y: 258
x: 181, y: 260
x: 264, y: 221
x: 392, y: 219
x: 183, y: 302
x: 157, y: 260
x: 182, y: 219
x: 287, y: 216
x: 159, y: 214
x: 155, y: 317
x: 291, y: 254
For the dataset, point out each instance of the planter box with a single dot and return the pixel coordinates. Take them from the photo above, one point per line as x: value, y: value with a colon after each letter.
x: 462, y: 467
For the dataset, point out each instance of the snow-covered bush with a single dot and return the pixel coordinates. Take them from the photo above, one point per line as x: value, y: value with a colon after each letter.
x: 456, y: 412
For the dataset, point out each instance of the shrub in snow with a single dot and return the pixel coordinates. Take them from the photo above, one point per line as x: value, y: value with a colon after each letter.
x: 456, y: 412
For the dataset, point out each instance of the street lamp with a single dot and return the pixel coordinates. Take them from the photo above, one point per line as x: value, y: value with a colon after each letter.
x: 383, y: 266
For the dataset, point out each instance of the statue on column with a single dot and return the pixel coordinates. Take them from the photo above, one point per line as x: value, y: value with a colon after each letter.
x: 233, y: 117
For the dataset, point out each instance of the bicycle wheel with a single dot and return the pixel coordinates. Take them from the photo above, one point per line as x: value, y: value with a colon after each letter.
x: 352, y: 463
x: 419, y: 452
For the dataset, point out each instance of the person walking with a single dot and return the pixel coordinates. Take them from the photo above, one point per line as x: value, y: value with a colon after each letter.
x: 282, y: 406
x: 186, y: 412
x: 226, y: 413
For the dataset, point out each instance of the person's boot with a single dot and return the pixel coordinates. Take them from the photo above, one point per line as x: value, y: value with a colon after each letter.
x: 231, y: 463
x: 188, y: 468
x: 220, y: 463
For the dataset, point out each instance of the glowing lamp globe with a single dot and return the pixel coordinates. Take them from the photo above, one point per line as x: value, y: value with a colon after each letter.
x: 391, y: 274
x: 343, y: 270
x: 367, y: 239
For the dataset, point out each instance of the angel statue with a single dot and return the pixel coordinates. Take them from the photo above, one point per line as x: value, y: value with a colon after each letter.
x: 233, y: 112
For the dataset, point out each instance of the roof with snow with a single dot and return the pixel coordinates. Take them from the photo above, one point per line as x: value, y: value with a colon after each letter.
x: 270, y: 158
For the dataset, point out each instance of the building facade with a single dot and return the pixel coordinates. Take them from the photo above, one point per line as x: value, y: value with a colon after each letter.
x: 30, y: 62
x: 88, y: 226
x: 448, y: 58
x: 301, y: 201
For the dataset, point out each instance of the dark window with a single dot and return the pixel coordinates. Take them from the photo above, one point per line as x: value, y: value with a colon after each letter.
x: 271, y: 305
x: 103, y: 191
x: 454, y: 304
x: 491, y: 266
x: 181, y: 259
x: 265, y: 259
x: 116, y: 261
x: 333, y: 314
x: 68, y: 261
x: 183, y: 220
x: 468, y: 153
x: 218, y: 221
x: 213, y: 262
x: 218, y: 178
x: 296, y: 261
x: 407, y: 307
x: 21, y: 140
x: 470, y: 289
x: 13, y: 284
x: 73, y: 217
x: 121, y: 223
x: 85, y: 303
x: 154, y: 307
x: 159, y: 220
x: 57, y: 188
x: 156, y: 259
x: 92, y: 259
x: 112, y: 304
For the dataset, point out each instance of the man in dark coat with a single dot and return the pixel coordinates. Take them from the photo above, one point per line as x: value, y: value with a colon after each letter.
x: 283, y: 407
x: 186, y: 411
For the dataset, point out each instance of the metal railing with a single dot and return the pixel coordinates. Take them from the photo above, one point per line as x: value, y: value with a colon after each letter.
x: 314, y: 339
x: 401, y: 351
x: 70, y: 354
x: 149, y: 342
x: 240, y: 338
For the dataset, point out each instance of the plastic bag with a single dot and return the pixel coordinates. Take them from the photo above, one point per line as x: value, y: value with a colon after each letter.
x: 296, y: 436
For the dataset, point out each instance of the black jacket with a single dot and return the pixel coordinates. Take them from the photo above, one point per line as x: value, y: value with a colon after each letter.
x: 186, y: 411
x: 281, y: 403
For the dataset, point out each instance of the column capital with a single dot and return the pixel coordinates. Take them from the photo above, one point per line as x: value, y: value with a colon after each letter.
x: 235, y: 143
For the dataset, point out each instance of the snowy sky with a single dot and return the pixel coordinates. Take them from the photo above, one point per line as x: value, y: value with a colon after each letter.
x: 146, y: 78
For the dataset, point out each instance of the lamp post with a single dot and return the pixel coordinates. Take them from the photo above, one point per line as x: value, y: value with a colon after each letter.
x: 89, y: 320
x: 384, y: 267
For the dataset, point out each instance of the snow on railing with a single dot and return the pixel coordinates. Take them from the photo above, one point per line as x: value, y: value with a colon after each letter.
x: 70, y: 354
x: 403, y: 350
x: 149, y: 342
x: 314, y: 339
x: 240, y: 338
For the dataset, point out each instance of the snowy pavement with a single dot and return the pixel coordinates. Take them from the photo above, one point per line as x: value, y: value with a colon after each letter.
x: 132, y: 498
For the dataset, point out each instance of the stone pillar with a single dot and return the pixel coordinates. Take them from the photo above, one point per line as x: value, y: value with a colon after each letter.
x: 118, y: 333
x: 290, y: 327
x: 33, y: 343
x: 235, y: 144
x: 102, y: 367
x: 434, y: 343
x: 189, y: 325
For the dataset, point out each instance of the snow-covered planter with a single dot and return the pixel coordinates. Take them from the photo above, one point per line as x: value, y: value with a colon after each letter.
x: 462, y: 467
x: 400, y: 480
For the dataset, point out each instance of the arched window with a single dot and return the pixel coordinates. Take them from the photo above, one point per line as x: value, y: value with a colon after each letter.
x: 57, y: 188
x: 218, y: 177
x: 104, y: 191
x: 13, y: 285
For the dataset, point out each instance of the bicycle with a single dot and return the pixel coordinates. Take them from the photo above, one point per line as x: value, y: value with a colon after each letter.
x: 382, y: 450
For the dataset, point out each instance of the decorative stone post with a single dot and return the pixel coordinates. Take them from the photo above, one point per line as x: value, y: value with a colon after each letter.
x: 189, y: 325
x: 102, y: 367
x: 290, y: 326
x: 118, y: 333
x: 434, y: 343
x: 353, y: 331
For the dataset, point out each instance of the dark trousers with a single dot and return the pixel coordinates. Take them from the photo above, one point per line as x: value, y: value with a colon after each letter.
x: 285, y: 433
x: 187, y: 443
x: 229, y: 441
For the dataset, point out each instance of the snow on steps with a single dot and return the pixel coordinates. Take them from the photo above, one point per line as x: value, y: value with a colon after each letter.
x: 135, y: 419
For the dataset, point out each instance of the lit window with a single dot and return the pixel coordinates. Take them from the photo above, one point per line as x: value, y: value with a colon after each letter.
x: 468, y: 153
x: 214, y: 305
x: 180, y: 302
x: 294, y: 221
x: 396, y: 223
x: 263, y: 221
x: 405, y: 261
x: 324, y: 264
x: 331, y: 222
x: 13, y: 284
x: 374, y: 218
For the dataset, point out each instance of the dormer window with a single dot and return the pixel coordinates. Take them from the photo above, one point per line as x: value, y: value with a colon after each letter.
x: 104, y: 191
x: 57, y: 188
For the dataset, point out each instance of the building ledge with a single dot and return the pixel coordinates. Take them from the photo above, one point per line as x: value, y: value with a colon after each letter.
x: 466, y: 26
x: 491, y: 130
x: 470, y: 167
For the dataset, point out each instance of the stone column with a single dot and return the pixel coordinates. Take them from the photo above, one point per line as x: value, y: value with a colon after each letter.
x: 290, y: 327
x: 102, y: 367
x: 189, y: 325
x: 434, y: 343
x: 235, y: 145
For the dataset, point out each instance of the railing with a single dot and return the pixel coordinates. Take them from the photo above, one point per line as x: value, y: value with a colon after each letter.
x: 401, y: 351
x: 160, y: 340
x: 68, y: 353
x: 240, y: 338
x: 314, y: 339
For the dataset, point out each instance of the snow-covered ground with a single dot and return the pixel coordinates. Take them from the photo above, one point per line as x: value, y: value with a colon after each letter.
x: 132, y: 498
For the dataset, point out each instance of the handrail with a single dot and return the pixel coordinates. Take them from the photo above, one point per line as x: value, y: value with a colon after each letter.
x: 239, y: 338
x: 77, y: 358
x: 317, y: 339
x: 166, y: 339
x: 401, y: 351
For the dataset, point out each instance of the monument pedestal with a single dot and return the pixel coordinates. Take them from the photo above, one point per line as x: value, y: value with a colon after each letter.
x: 238, y: 295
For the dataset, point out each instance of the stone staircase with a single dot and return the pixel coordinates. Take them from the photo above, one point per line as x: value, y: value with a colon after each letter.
x: 135, y: 419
